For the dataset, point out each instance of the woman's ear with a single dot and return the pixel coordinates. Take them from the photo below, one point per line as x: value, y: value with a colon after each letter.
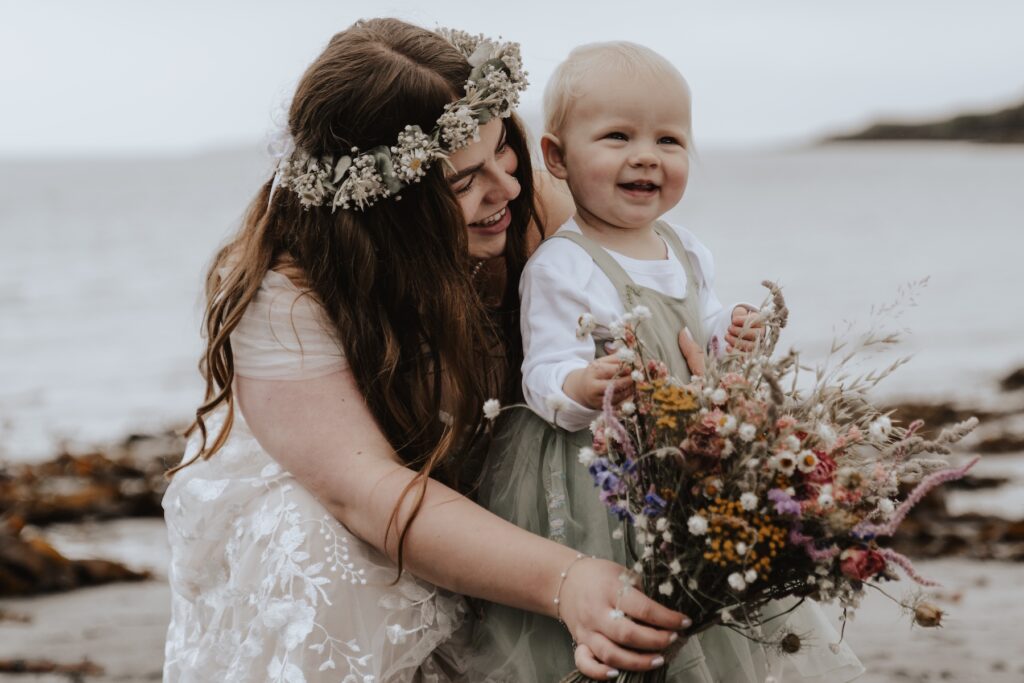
x: 554, y: 158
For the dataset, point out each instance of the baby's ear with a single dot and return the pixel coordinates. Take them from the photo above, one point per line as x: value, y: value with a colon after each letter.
x: 554, y: 158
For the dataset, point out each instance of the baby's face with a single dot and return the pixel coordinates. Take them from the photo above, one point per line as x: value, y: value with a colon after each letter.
x: 624, y: 143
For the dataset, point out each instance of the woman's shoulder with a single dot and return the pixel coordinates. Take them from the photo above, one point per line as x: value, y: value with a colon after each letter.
x: 285, y: 333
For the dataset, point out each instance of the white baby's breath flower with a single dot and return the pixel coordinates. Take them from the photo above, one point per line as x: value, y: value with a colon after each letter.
x: 753, y: 463
x: 697, y: 525
x: 556, y: 402
x: 640, y: 521
x: 750, y: 576
x: 492, y: 407
x: 719, y: 396
x: 674, y: 567
x: 446, y: 417
x: 661, y: 524
x: 728, y: 425
x: 737, y: 582
x: 626, y: 355
x: 638, y: 567
x: 637, y: 375
x: 692, y: 584
x: 791, y: 443
x: 666, y: 588
x: 728, y: 448
x: 627, y: 407
x: 881, y: 427
x: 586, y: 456
x: 749, y: 501
x: 617, y: 329
x: 666, y: 536
x: 648, y: 552
x: 617, y: 534
x: 747, y: 432
x: 641, y: 313
x: 585, y: 325
x: 886, y: 506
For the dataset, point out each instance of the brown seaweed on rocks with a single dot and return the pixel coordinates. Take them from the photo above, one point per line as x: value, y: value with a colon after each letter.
x: 124, y: 481
x: 29, y: 565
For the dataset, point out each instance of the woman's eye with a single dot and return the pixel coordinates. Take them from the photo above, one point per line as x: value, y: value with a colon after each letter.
x: 464, y: 188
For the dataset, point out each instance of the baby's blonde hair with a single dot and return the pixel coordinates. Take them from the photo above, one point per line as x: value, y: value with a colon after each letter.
x: 618, y: 56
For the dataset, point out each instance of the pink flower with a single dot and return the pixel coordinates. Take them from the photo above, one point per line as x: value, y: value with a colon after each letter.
x: 733, y: 378
x: 785, y: 422
x: 861, y: 564
x: 823, y: 473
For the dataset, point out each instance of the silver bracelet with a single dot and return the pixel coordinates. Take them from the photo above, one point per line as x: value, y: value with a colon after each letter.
x: 561, y: 582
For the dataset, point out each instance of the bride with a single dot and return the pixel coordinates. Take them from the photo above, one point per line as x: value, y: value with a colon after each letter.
x: 317, y: 523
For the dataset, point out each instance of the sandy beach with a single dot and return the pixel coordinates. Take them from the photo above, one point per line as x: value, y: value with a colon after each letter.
x: 121, y: 627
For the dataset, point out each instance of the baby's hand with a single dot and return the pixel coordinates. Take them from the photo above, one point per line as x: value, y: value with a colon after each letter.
x: 746, y: 328
x: 587, y: 385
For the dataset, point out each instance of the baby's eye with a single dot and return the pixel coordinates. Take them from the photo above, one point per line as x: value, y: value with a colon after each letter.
x: 616, y: 135
x: 668, y: 140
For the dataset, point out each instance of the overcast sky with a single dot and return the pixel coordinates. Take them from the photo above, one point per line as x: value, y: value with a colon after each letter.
x: 116, y: 77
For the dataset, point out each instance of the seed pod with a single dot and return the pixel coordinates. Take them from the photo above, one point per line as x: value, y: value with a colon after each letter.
x: 927, y: 615
x: 790, y: 643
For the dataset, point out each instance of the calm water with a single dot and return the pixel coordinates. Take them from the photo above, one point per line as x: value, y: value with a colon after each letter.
x: 102, y: 263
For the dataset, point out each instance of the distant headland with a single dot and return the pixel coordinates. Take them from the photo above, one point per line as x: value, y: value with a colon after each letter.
x: 1004, y: 126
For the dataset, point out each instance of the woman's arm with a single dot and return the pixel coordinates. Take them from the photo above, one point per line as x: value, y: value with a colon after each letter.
x: 321, y: 431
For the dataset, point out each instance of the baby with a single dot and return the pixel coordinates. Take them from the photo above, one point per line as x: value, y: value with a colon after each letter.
x: 617, y: 118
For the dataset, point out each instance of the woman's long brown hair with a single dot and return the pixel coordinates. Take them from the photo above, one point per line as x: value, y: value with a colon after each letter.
x: 395, y: 280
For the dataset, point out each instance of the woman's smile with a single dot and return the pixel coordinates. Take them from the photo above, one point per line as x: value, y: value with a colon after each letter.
x: 495, y: 223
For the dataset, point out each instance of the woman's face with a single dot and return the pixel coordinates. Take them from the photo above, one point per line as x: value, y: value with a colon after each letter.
x: 484, y: 184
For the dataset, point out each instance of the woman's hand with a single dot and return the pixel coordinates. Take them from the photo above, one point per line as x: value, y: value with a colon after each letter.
x: 608, y: 641
x: 587, y: 385
x: 693, y: 354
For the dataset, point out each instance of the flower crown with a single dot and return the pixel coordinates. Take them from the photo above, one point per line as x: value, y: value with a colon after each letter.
x: 359, y: 179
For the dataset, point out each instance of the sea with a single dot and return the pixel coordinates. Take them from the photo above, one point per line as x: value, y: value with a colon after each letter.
x: 102, y: 264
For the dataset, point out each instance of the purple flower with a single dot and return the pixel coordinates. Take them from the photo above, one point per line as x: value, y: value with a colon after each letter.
x: 655, y: 503
x: 784, y: 503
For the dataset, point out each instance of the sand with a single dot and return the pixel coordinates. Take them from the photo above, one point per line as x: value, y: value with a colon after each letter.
x: 121, y: 627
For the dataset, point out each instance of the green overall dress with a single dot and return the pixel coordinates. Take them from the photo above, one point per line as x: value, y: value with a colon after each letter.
x: 533, y: 478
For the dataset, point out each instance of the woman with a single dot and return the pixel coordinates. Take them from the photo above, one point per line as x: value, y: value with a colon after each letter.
x: 349, y: 354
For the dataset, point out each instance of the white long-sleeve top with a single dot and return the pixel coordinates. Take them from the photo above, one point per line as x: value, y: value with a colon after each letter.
x: 561, y: 282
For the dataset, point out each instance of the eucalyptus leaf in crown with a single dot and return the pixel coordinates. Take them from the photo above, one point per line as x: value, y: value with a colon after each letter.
x: 359, y: 179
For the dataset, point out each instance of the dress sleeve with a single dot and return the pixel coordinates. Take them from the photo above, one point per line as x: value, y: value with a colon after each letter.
x: 284, y: 334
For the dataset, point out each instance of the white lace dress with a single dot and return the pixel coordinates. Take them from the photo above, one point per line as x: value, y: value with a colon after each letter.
x: 266, y: 585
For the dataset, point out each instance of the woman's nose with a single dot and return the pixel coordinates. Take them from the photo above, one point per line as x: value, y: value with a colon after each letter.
x: 505, y: 187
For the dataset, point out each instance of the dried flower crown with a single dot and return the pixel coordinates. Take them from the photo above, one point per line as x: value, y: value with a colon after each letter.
x: 359, y: 179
